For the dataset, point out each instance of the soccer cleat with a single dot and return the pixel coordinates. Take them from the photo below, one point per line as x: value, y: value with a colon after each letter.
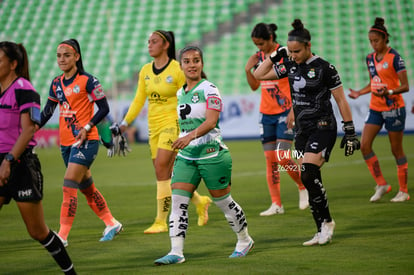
x: 380, y: 190
x: 244, y: 251
x: 110, y: 232
x: 401, y: 197
x: 273, y: 210
x: 326, y: 233
x: 157, y: 227
x: 202, y: 210
x: 64, y: 242
x: 313, y: 241
x: 169, y: 259
x: 303, y: 199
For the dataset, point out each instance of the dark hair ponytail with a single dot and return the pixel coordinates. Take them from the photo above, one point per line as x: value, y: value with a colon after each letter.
x: 299, y: 33
x: 73, y: 43
x: 168, y: 36
x: 264, y: 31
x: 380, y: 28
x: 17, y: 52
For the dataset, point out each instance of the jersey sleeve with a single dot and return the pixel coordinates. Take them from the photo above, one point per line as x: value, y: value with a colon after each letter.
x: 398, y: 63
x: 94, y: 89
x: 52, y: 90
x: 139, y: 100
x: 213, y: 98
x: 333, y: 80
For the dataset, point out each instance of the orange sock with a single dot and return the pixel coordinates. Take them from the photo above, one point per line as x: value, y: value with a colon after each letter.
x: 98, y: 204
x: 291, y: 167
x: 373, y: 165
x: 273, y: 177
x: 402, y: 172
x: 68, y: 211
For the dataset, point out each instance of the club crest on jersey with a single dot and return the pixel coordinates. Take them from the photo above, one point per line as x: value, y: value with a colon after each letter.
x: 311, y: 73
x: 68, y: 91
x: 169, y: 79
x: 76, y: 89
x: 195, y: 98
x: 385, y: 65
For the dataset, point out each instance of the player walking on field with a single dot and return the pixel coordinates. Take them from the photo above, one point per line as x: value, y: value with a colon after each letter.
x: 388, y: 81
x: 202, y: 155
x: 275, y: 106
x: 159, y: 81
x: 313, y: 82
x: 76, y: 92
x: 20, y: 173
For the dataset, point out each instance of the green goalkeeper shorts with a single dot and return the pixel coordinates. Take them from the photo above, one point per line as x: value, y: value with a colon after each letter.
x: 216, y: 171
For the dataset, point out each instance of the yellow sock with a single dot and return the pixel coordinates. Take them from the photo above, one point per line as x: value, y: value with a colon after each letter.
x: 163, y: 199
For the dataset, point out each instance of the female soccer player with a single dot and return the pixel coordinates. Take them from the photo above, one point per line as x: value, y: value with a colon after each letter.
x: 389, y: 81
x: 313, y: 81
x: 275, y: 106
x: 20, y: 174
x: 77, y: 92
x: 202, y: 155
x: 159, y: 81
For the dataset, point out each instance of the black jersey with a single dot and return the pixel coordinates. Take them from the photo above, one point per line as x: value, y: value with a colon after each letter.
x: 311, y: 85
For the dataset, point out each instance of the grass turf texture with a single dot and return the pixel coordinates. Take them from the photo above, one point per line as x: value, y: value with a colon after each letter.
x: 370, y: 238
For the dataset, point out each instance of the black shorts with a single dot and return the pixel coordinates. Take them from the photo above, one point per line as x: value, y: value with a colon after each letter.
x: 315, y: 142
x: 26, y: 180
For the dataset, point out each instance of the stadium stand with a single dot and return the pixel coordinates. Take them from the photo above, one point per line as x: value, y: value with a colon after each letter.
x: 339, y: 33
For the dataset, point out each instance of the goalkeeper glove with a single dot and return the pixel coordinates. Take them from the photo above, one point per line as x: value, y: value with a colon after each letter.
x: 115, y: 130
x: 278, y: 54
x: 350, y: 141
x: 121, y: 146
x: 110, y: 148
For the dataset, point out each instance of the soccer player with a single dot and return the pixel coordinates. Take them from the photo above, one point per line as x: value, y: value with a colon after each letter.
x: 388, y: 81
x: 76, y: 92
x: 275, y: 134
x: 20, y: 174
x: 314, y: 81
x: 159, y: 81
x: 202, y: 155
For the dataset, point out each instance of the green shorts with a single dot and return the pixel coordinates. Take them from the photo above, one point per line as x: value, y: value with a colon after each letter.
x: 216, y: 172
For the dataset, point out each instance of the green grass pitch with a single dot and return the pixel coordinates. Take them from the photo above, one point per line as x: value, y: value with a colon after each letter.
x: 370, y: 238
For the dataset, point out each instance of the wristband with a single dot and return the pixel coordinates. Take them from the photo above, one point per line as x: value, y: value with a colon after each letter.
x: 87, y: 127
x: 124, y: 123
x: 390, y: 92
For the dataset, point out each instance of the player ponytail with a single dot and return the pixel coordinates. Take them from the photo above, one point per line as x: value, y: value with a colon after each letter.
x: 168, y: 36
x: 74, y: 44
x: 380, y: 28
x: 265, y: 31
x: 299, y: 33
x: 17, y: 52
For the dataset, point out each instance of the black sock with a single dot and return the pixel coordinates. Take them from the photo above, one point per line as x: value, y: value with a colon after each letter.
x: 56, y: 249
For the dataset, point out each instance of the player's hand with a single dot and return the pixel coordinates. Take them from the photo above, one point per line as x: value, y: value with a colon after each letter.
x: 350, y: 141
x: 279, y: 54
x: 353, y: 94
x: 110, y: 148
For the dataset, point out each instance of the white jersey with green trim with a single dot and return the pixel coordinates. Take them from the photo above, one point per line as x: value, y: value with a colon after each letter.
x: 192, y: 106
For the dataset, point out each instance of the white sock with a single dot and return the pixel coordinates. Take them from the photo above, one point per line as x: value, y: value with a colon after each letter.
x: 178, y: 223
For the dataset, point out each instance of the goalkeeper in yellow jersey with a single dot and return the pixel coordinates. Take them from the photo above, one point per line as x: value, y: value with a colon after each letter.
x: 159, y: 81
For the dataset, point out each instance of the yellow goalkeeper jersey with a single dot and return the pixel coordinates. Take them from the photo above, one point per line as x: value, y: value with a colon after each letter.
x: 161, y: 91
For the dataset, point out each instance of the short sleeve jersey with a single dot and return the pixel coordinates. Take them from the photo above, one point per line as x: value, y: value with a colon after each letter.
x: 385, y: 73
x: 161, y: 90
x: 19, y: 97
x: 275, y: 97
x: 76, y: 97
x: 311, y: 85
x: 192, y: 107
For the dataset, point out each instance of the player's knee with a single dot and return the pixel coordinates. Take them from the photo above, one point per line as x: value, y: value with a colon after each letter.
x: 310, y: 177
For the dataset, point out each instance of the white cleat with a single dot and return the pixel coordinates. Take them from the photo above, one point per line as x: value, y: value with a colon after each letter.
x: 401, y: 197
x: 303, y: 199
x: 273, y: 210
x: 380, y: 190
x: 313, y: 241
x: 326, y: 232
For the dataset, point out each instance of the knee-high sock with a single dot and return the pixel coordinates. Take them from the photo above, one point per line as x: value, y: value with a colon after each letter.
x: 402, y: 172
x: 178, y: 220
x: 374, y: 167
x: 68, y: 210
x: 291, y: 167
x: 58, y: 252
x: 235, y: 217
x: 163, y: 199
x: 97, y: 202
x: 273, y: 177
x: 318, y: 202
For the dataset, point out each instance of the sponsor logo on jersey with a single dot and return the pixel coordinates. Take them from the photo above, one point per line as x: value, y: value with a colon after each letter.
x: 76, y: 89
x: 210, y: 150
x: 68, y: 91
